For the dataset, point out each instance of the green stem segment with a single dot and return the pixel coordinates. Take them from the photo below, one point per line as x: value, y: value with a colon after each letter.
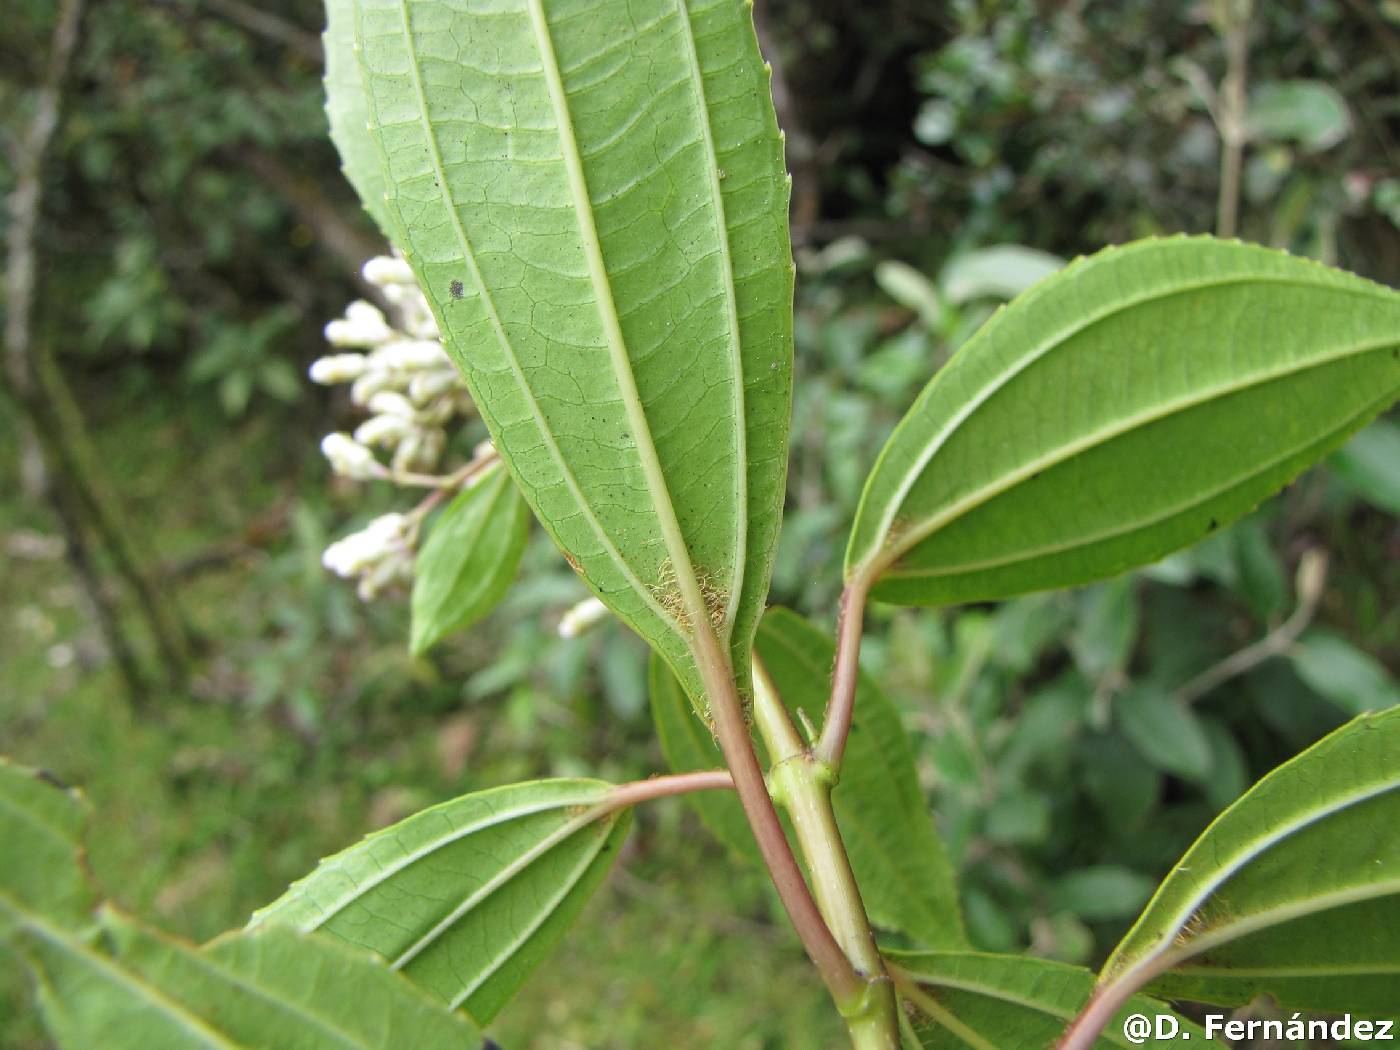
x: 801, y: 783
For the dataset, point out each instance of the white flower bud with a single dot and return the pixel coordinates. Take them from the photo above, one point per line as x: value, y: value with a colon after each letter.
x: 427, y: 385
x: 369, y: 384
x: 385, y: 270
x: 409, y: 454
x: 387, y: 431
x: 582, y: 617
x: 349, y: 458
x: 338, y: 368
x: 411, y: 355
x: 362, y: 325
x: 391, y: 402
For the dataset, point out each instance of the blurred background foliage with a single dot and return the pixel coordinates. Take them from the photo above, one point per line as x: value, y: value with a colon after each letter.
x: 195, y: 236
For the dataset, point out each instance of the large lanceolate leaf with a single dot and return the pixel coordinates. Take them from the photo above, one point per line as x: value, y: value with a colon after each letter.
x: 594, y: 200
x: 1293, y: 891
x: 138, y: 990
x: 113, y: 984
x: 905, y: 878
x: 467, y: 897
x: 469, y: 558
x: 961, y: 1000
x: 1119, y: 410
x: 347, y: 111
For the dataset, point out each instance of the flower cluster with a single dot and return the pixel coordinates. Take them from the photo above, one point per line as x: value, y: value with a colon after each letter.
x: 399, y: 372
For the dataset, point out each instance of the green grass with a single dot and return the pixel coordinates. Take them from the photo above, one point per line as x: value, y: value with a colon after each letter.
x: 306, y: 726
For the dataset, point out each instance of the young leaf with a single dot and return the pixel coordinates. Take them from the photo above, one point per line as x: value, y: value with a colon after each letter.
x: 906, y: 881
x: 1293, y: 891
x: 688, y: 746
x: 1002, y: 271
x: 466, y: 898
x: 1119, y: 410
x: 348, y: 113
x: 469, y: 558
x: 1370, y: 464
x: 271, y: 988
x: 1353, y: 680
x: 593, y: 198
x: 1166, y: 731
x: 976, y: 1000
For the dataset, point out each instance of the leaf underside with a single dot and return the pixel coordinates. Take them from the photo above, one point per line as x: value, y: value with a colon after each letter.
x: 961, y: 1000
x: 467, y: 897
x: 1293, y: 891
x: 594, y: 200
x: 1119, y: 410
x: 347, y: 112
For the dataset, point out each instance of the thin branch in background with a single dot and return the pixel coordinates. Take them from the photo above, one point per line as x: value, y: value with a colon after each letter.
x: 1311, y: 578
x: 269, y: 26
x: 1232, y: 110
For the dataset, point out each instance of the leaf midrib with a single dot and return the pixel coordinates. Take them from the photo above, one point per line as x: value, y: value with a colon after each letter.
x: 933, y: 571
x: 488, y: 302
x: 361, y: 889
x: 523, y: 861
x: 1222, y: 873
x: 908, y: 539
x: 542, y: 915
x: 657, y: 490
x: 1049, y: 344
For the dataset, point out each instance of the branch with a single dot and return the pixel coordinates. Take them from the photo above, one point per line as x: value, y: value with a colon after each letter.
x: 1312, y: 576
x: 846, y: 674
x: 638, y: 791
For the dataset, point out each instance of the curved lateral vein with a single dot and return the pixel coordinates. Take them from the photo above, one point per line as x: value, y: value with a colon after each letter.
x: 997, y: 382
x: 657, y: 489
x: 409, y: 859
x: 469, y: 256
x: 741, y: 452
x: 514, y: 868
x: 542, y: 915
x: 972, y: 502
x: 1149, y: 961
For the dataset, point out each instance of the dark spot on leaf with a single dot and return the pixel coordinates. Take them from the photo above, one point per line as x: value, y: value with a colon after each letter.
x: 456, y: 289
x: 1213, y: 525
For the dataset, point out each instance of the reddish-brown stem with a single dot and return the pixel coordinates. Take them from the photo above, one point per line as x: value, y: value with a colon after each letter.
x: 662, y: 787
x: 844, y: 676
x: 732, y: 732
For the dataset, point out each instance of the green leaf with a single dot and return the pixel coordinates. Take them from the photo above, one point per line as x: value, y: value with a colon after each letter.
x: 1293, y: 891
x: 1260, y: 576
x: 348, y: 113
x: 982, y: 1001
x: 688, y: 746
x: 1107, y: 627
x: 900, y: 863
x: 1123, y: 787
x: 1119, y: 410
x: 1000, y: 272
x: 594, y: 201
x: 43, y: 824
x: 272, y: 988
x: 1370, y: 464
x: 1353, y: 680
x: 467, y: 897
x: 469, y: 558
x: 1108, y: 891
x: 910, y: 289
x: 1311, y: 113
x: 1166, y: 731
